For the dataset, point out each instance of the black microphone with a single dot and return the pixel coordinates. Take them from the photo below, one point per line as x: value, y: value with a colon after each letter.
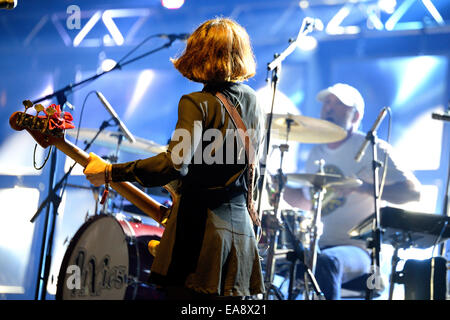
x: 175, y: 36
x: 374, y: 128
x: 8, y: 4
x: 111, y: 111
x: 441, y: 116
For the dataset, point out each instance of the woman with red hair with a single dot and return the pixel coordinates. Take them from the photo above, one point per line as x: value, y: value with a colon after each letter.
x: 208, y: 249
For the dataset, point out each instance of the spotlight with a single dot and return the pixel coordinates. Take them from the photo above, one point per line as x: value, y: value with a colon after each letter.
x: 387, y: 6
x: 303, y: 4
x: 307, y: 43
x: 108, y: 65
x: 172, y: 4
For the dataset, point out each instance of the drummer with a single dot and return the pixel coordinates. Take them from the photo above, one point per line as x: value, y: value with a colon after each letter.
x: 342, y: 259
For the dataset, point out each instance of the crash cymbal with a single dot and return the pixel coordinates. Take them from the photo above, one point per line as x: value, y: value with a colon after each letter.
x: 109, y: 139
x: 325, y: 180
x: 306, y: 129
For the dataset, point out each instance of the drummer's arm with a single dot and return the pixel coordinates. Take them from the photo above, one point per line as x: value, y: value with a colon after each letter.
x: 397, y: 193
x: 297, y: 198
x: 401, y: 184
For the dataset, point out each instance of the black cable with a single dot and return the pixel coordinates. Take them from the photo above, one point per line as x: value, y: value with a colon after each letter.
x: 81, y: 115
x: 45, y: 160
x: 76, y: 140
x: 135, y: 48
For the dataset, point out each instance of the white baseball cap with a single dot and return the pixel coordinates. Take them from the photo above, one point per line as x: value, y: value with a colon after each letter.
x: 346, y: 94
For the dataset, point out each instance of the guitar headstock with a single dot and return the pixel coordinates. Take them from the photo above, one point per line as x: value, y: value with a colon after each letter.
x: 46, y: 128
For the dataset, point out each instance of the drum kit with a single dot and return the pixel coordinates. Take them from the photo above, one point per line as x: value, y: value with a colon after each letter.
x: 292, y: 235
x: 108, y: 257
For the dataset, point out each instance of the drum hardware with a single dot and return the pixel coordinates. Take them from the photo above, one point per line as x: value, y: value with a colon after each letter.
x: 306, y: 129
x: 277, y: 222
x: 320, y: 182
x: 319, y: 192
x: 404, y: 229
x: 323, y: 180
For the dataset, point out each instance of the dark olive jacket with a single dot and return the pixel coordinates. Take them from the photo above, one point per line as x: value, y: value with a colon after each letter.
x: 209, y: 243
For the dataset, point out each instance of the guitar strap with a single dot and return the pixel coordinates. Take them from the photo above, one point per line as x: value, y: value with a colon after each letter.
x: 249, y: 152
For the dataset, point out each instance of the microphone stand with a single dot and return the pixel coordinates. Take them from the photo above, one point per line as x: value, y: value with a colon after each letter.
x: 375, y: 242
x: 446, y: 204
x: 274, y: 66
x: 53, y: 198
x: 70, y: 87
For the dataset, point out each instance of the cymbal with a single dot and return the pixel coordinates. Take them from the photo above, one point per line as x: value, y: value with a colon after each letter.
x: 306, y: 129
x: 109, y: 139
x: 325, y: 180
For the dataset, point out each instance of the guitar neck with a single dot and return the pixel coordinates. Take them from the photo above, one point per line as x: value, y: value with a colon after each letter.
x: 140, y: 199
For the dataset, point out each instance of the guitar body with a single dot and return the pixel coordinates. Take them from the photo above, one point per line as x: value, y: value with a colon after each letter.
x: 38, y: 127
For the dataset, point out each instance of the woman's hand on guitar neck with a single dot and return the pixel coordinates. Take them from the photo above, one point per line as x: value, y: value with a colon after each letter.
x: 96, y: 170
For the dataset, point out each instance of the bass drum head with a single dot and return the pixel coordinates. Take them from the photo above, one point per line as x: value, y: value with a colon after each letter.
x: 96, y: 265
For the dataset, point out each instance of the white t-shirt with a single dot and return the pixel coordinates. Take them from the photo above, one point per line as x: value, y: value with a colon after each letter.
x: 340, y: 214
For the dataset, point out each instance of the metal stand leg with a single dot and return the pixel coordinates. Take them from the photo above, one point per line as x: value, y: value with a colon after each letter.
x: 394, y: 261
x: 317, y: 218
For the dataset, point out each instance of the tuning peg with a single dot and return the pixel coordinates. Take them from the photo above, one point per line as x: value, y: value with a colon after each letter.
x: 39, y: 108
x: 28, y: 104
x: 50, y: 110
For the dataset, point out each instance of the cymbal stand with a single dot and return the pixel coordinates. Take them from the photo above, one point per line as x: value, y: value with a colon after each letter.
x: 279, y: 222
x: 275, y: 226
x: 298, y: 253
x: 319, y: 192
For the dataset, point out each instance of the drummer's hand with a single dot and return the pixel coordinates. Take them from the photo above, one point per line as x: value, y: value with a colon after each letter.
x: 95, y: 170
x: 365, y: 188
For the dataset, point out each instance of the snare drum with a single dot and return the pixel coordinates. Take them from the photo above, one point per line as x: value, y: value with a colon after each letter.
x: 108, y: 259
x: 300, y: 222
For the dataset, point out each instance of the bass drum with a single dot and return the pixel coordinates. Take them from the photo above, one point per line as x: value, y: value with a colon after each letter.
x: 108, y: 259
